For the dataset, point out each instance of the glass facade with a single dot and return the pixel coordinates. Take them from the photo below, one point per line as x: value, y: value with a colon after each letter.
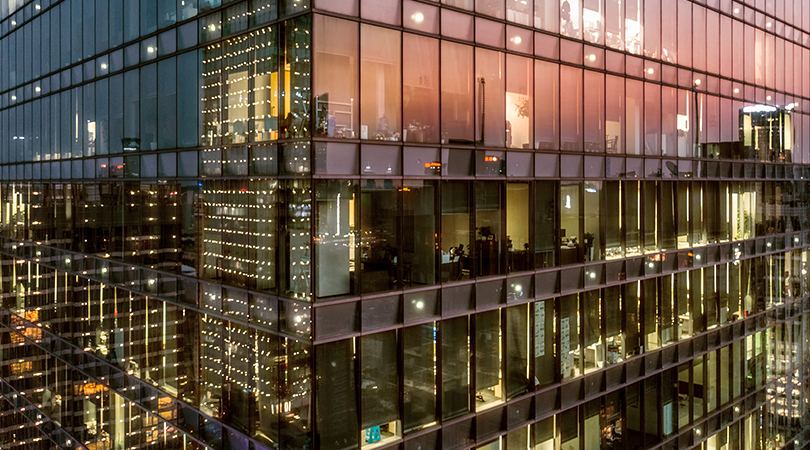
x: 404, y: 224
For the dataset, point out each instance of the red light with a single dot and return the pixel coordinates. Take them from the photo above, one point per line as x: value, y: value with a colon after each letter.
x: 243, y: 190
x: 120, y: 166
x: 103, y: 166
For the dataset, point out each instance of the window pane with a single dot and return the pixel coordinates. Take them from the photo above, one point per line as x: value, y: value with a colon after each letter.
x: 592, y: 331
x: 387, y: 11
x: 297, y: 76
x: 294, y: 254
x: 492, y: 8
x: 571, y: 18
x: 337, y: 405
x: 571, y: 108
x: 76, y: 126
x: 265, y: 90
x: 455, y: 226
x: 547, y: 105
x: 187, y: 103
x: 457, y: 93
x: 289, y: 7
x: 380, y: 386
x: 634, y: 113
x: 519, y: 102
x: 593, y: 21
x: 547, y: 15
x: 517, y: 348
x: 167, y: 103
x: 652, y: 28
x: 236, y: 19
x: 630, y: 308
x: 651, y: 216
x: 420, y: 89
x: 594, y: 112
x: 211, y: 75
x: 335, y: 232
x: 378, y: 227
x: 188, y: 9
x: 669, y: 31
x: 684, y: 33
x: 545, y: 215
x: 615, y: 116
x: 592, y: 239
x: 614, y: 24
x: 419, y: 374
x: 380, y: 83
x: 614, y: 234
x: 570, y: 365
x: 455, y: 367
x: 419, y: 232
x: 488, y: 380
x: 148, y: 130
x: 696, y: 215
x: 167, y: 13
x: 88, y: 129
x: 652, y: 119
x: 236, y: 103
x: 262, y: 11
x: 631, y: 193
x: 490, y: 97
x: 517, y: 226
x: 488, y: 243
x: 570, y: 225
x: 464, y: 4
x: 336, y: 78
x: 633, y: 26
x: 519, y: 11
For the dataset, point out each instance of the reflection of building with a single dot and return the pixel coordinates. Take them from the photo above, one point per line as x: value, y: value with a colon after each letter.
x: 456, y: 224
x: 767, y: 133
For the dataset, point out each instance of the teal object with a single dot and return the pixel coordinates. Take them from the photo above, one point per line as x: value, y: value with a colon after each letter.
x: 373, y: 435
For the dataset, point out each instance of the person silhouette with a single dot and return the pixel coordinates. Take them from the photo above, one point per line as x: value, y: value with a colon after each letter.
x: 565, y: 17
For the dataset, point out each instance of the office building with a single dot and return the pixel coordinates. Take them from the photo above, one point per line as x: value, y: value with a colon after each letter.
x: 404, y: 224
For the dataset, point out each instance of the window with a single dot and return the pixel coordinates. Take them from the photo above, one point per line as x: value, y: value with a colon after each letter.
x: 519, y: 102
x: 296, y: 75
x: 380, y: 114
x: 336, y: 78
x: 419, y: 367
x: 594, y: 345
x: 488, y: 227
x: 379, y: 241
x: 547, y: 105
x: 490, y: 101
x: 419, y: 237
x: 455, y: 364
x: 420, y: 89
x: 456, y: 237
x: 488, y: 359
x: 336, y: 233
x: 569, y: 326
x: 379, y: 388
x: 457, y: 93
x: 571, y: 119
